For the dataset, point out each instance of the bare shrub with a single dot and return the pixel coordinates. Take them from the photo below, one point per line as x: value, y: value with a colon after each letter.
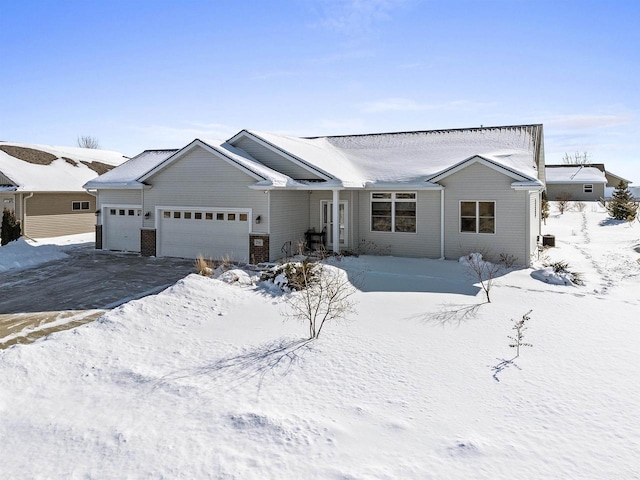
x: 87, y: 141
x: 324, y: 296
x: 483, y: 271
x: 507, y: 260
x: 203, y: 267
x: 367, y: 247
x: 563, y: 201
x: 579, y: 206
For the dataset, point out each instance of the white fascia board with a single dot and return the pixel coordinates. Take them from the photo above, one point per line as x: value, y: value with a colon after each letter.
x: 403, y: 186
x: 292, y: 158
x: 183, y: 151
x: 529, y: 186
x: 483, y: 161
x: 115, y: 186
x: 574, y: 181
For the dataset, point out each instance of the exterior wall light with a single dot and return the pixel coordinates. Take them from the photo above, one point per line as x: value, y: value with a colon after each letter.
x: 258, y: 219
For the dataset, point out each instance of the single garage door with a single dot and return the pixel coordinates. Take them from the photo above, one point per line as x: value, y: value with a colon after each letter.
x: 211, y: 233
x: 121, y: 229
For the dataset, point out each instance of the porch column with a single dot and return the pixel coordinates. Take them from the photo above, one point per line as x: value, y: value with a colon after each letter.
x: 336, y: 221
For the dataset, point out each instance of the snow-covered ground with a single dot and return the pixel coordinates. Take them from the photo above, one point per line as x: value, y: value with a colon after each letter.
x: 206, y: 380
x: 24, y: 253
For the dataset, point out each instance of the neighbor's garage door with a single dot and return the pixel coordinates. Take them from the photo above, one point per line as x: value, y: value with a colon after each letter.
x: 121, y: 229
x: 211, y: 233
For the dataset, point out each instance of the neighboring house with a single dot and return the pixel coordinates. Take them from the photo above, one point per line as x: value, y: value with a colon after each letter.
x: 43, y: 186
x: 434, y: 194
x: 575, y: 182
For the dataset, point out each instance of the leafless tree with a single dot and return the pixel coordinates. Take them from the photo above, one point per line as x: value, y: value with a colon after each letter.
x: 483, y: 271
x: 86, y: 141
x: 323, y: 295
x: 576, y: 159
x: 563, y: 200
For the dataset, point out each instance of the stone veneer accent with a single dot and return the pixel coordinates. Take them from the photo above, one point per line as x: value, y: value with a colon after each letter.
x: 258, y: 253
x: 98, y: 237
x: 148, y: 243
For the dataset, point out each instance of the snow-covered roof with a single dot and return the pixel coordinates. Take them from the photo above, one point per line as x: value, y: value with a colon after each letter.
x: 127, y: 174
x: 394, y: 160
x: 575, y: 174
x: 360, y: 160
x: 136, y: 171
x: 45, y: 168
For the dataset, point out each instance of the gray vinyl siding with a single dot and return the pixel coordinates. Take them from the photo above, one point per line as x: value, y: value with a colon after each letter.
x: 119, y: 197
x: 275, y: 160
x: 51, y: 215
x: 480, y: 183
x: 575, y: 192
x: 289, y: 222
x: 424, y: 243
x: 4, y: 180
x: 202, y: 179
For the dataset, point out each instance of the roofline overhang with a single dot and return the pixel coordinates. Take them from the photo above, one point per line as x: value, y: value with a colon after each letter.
x: 366, y: 187
x: 116, y: 186
x: 528, y: 187
x: 574, y: 182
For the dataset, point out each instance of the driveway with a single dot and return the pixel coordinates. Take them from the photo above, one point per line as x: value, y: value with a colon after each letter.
x: 75, y: 290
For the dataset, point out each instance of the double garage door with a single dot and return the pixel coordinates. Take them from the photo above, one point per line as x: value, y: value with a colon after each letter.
x: 212, y: 233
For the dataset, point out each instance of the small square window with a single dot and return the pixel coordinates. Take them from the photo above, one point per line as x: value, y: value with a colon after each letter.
x: 243, y: 217
x: 187, y: 215
x: 587, y: 188
x: 112, y: 211
x: 166, y: 214
x: 84, y: 206
x: 132, y: 213
x: 208, y: 216
x: 176, y: 214
x: 219, y: 216
x: 197, y: 215
x: 75, y: 205
x: 231, y: 217
x: 121, y: 211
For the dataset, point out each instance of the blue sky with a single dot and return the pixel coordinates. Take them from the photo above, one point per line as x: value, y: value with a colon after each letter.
x: 156, y: 74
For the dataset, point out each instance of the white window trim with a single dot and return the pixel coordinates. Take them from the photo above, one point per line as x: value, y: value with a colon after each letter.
x: 477, y: 202
x: 589, y: 186
x: 393, y: 200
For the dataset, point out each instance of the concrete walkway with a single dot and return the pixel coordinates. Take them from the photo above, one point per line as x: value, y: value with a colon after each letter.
x: 66, y: 293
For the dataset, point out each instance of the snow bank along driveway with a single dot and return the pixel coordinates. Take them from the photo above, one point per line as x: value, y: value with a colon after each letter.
x: 204, y: 380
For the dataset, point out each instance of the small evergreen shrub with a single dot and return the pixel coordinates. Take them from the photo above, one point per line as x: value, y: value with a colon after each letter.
x: 10, y: 229
x: 622, y: 206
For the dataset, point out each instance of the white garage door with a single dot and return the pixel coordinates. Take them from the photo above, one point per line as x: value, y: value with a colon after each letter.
x: 121, y: 229
x: 211, y: 233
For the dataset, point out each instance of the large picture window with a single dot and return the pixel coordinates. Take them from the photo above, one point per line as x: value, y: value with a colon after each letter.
x: 393, y: 212
x: 478, y: 217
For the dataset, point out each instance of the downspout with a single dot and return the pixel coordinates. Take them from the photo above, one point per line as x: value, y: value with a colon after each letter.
x: 24, y: 214
x: 336, y: 221
x: 442, y: 224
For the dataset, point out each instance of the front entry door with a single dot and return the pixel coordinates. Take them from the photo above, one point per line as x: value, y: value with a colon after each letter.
x: 326, y: 216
